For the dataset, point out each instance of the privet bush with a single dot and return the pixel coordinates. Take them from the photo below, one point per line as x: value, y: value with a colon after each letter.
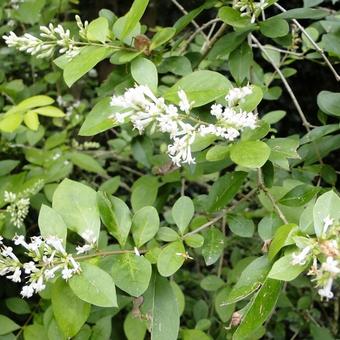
x: 152, y: 183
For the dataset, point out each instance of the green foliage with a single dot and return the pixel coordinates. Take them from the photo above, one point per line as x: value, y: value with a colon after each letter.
x: 165, y: 178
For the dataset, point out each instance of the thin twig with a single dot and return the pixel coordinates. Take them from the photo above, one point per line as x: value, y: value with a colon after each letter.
x: 185, y: 12
x: 305, y: 122
x: 108, y: 253
x: 213, y: 40
x: 270, y: 196
x: 221, y: 215
x: 297, y: 54
x: 316, y: 46
x: 199, y: 30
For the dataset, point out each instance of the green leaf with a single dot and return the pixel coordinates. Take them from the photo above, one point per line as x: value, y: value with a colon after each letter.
x: 7, y: 166
x: 182, y: 212
x: 224, y: 190
x: 98, y: 119
x: 77, y: 205
x: 69, y: 311
x: 240, y: 61
x: 260, y: 308
x: 274, y: 28
x: 144, y: 72
x: 134, y: 327
x: 250, y: 280
x: 7, y: 325
x: 194, y: 241
x: 35, y: 101
x: 282, y: 149
x: 86, y: 60
x: 145, y: 225
x: 282, y: 238
x: 160, y: 303
x: 51, y: 223
x: 298, y: 196
x: 98, y: 30
x: 217, y: 153
x: 161, y: 37
x: 111, y: 185
x: 49, y: 111
x: 222, y: 308
x: 95, y: 286
x: 284, y: 270
x: 18, y: 306
x: 194, y: 334
x: 133, y: 16
x: 201, y: 87
x: 115, y: 215
x: 86, y: 162
x: 131, y: 273
x: 144, y: 192
x: 250, y: 154
x: 9, y: 123
x: 327, y: 205
x: 241, y: 226
x: 31, y: 120
x: 302, y: 13
x: 167, y: 234
x: 233, y: 17
x: 273, y: 117
x: 213, y: 246
x: 329, y: 102
x: 123, y: 56
x: 34, y: 332
x: 171, y: 258
x: 211, y: 283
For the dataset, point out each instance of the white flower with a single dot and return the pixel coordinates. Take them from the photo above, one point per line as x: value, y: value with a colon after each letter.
x: 9, y: 197
x: 331, y: 265
x: 180, y: 150
x: 30, y: 267
x: 16, y: 276
x: 84, y: 249
x: 216, y: 110
x: 236, y: 95
x: 328, y: 222
x: 326, y: 291
x: 19, y: 240
x: 301, y: 258
x: 27, y: 291
x: 184, y: 103
x: 67, y: 273
x: 89, y: 236
x: 56, y: 243
x: 38, y: 285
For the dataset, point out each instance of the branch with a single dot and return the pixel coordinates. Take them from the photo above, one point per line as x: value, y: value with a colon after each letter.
x: 270, y: 196
x: 185, y: 12
x: 316, y: 46
x: 305, y: 122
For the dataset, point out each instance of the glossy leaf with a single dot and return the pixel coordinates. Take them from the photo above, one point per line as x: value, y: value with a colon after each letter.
x: 182, y: 212
x: 131, y: 273
x: 76, y: 203
x: 95, y: 286
x: 145, y: 225
x: 70, y: 319
x: 115, y: 215
x: 171, y: 258
x: 160, y: 303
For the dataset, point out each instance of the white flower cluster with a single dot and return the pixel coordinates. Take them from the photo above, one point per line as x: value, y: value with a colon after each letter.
x: 85, y: 145
x: 325, y: 253
x: 18, y: 204
x: 48, y: 258
x: 251, y: 8
x: 53, y: 38
x: 140, y: 106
